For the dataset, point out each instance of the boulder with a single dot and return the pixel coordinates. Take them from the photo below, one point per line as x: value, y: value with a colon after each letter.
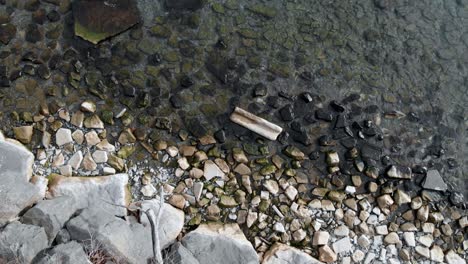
x: 126, y: 242
x: 214, y: 243
x: 98, y: 20
x: 51, y: 214
x: 180, y: 255
x: 20, y: 243
x: 284, y: 254
x: 171, y: 222
x: 108, y: 192
x: 17, y: 191
x: 69, y: 253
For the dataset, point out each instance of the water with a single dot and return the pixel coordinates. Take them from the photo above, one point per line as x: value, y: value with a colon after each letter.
x: 406, y: 56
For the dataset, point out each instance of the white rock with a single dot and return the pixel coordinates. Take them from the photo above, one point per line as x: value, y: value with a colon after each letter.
x: 279, y: 227
x: 437, y: 254
x: 341, y: 231
x: 426, y: 240
x: 251, y: 218
x: 409, y: 239
x: 183, y: 163
x: 358, y: 256
x: 100, y: 156
x: 109, y: 171
x: 381, y: 230
x: 172, y: 151
x: 105, y: 145
x: 291, y: 192
x: 342, y: 245
x: 75, y: 160
x: 88, y: 106
x: 369, y: 258
x: 320, y: 238
x: 148, y: 190
x: 211, y: 170
x: 197, y: 190
x: 63, y: 136
x: 423, y: 251
x: 78, y: 136
x: 66, y: 170
x: 453, y: 258
x: 92, y: 138
x: 271, y: 186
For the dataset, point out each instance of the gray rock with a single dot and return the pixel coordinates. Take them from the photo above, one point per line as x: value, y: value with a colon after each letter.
x: 126, y: 242
x: 16, y: 190
x: 108, y: 192
x: 20, y: 243
x: 215, y: 243
x: 434, y: 181
x: 70, y: 253
x: 171, y: 224
x: 51, y: 214
x: 284, y: 254
x: 180, y: 255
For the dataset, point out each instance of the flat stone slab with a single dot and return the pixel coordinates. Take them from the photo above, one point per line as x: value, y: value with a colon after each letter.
x: 51, y: 214
x: 16, y: 190
x: 96, y: 21
x: 171, y: 223
x: 69, y: 253
x: 20, y: 243
x: 108, y: 192
x: 126, y: 241
x: 284, y: 254
x: 215, y: 243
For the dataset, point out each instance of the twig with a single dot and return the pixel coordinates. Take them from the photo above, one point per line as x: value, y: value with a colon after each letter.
x: 157, y: 244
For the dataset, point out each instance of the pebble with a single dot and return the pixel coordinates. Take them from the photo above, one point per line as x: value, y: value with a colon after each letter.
x: 88, y: 106
x: 78, y: 136
x: 291, y: 192
x: 66, y: 170
x: 92, y: 138
x: 88, y: 162
x: 279, y: 227
x: 148, y: 190
x: 75, y: 160
x: 342, y: 245
x: 327, y: 255
x: 358, y: 256
x: 320, y: 238
x: 108, y: 171
x: 341, y: 231
x: 100, y: 156
x: 211, y: 170
x: 409, y: 239
x: 392, y: 238
x: 197, y: 190
x: 23, y: 134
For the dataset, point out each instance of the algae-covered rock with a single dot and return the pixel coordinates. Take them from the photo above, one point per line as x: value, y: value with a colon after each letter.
x: 98, y: 20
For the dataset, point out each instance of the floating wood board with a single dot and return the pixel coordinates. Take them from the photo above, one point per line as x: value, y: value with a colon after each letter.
x: 256, y: 124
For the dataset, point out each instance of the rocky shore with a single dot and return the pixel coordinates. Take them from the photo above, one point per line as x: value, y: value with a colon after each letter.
x: 195, y: 132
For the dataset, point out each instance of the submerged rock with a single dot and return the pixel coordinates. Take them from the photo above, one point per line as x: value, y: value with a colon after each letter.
x: 98, y: 20
x: 434, y: 181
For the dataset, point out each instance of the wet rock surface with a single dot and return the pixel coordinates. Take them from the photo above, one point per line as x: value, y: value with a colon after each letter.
x: 371, y: 98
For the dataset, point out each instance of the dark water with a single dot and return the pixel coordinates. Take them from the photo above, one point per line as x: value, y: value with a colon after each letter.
x: 188, y: 69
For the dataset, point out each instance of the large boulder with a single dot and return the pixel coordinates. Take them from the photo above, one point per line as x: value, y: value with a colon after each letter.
x: 284, y: 254
x: 127, y: 242
x: 51, y: 214
x: 108, y: 192
x: 17, y: 192
x: 69, y: 253
x: 98, y: 20
x: 180, y: 255
x: 215, y: 243
x: 171, y: 222
x: 20, y: 243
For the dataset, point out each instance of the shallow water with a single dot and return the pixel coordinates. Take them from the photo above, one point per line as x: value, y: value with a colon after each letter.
x: 406, y: 56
